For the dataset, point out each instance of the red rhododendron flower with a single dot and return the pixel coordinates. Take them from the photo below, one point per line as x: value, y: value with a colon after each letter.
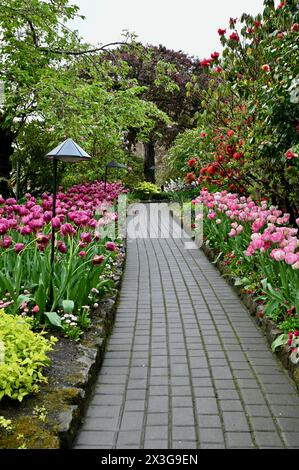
x: 281, y: 5
x: 205, y: 63
x: 221, y: 32
x: 290, y: 155
x: 190, y: 178
x: 191, y: 162
x: 215, y: 55
x: 234, y: 37
x: 295, y: 27
x: 203, y: 134
x: 238, y: 155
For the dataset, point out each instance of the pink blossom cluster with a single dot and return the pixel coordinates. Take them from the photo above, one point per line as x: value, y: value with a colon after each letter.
x: 75, y: 209
x: 268, y: 224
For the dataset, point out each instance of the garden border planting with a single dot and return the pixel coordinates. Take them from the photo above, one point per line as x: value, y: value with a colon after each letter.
x: 51, y: 418
x: 270, y: 329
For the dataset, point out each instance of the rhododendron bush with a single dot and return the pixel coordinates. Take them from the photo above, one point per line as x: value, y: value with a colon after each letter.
x: 259, y: 247
x: 83, y: 255
x: 247, y: 137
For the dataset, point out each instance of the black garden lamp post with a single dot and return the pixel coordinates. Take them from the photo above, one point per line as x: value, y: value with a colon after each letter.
x: 68, y: 152
x: 113, y: 164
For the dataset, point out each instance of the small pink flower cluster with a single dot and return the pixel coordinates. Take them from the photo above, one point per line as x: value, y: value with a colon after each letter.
x: 268, y: 224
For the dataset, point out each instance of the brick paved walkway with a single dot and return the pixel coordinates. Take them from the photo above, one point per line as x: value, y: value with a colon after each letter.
x: 186, y: 365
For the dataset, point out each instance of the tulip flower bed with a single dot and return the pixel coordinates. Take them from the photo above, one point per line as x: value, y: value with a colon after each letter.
x: 83, y: 260
x: 260, y: 249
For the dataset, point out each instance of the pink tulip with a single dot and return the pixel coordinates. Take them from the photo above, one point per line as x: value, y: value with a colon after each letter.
x: 290, y: 258
x: 278, y: 255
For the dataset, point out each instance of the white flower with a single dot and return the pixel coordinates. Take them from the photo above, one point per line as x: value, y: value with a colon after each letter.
x: 294, y: 91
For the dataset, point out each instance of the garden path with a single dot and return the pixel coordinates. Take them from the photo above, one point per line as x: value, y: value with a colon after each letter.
x: 186, y: 365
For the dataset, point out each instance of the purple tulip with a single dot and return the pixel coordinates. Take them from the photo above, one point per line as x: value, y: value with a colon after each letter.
x: 19, y: 247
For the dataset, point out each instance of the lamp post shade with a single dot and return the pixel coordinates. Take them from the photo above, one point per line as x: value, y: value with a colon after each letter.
x: 114, y: 164
x: 69, y: 152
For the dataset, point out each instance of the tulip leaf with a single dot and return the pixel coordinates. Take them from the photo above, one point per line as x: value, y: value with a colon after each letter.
x: 54, y: 319
x: 68, y: 306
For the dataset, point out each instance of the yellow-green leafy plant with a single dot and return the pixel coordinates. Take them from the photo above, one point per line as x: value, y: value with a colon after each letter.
x: 145, y: 190
x: 24, y: 357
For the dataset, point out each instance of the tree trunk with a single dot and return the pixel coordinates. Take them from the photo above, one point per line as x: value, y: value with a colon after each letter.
x: 149, y: 162
x: 6, y: 150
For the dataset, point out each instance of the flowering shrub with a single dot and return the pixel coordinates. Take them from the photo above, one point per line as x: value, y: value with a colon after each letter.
x: 84, y: 216
x: 259, y: 247
x: 247, y: 136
